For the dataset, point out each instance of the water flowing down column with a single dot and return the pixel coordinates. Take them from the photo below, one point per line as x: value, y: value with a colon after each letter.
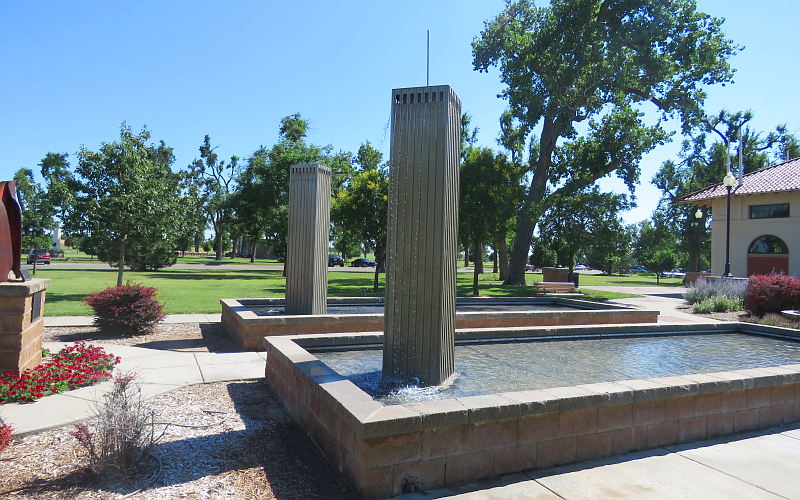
x: 307, y: 244
x: 419, y: 319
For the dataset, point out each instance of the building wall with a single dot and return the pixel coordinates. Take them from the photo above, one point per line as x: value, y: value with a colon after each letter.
x: 744, y: 230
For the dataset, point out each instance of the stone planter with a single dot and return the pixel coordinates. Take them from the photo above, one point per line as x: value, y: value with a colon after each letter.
x: 21, y: 324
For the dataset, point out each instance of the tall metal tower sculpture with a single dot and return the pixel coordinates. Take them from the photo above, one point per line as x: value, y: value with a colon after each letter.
x: 419, y: 319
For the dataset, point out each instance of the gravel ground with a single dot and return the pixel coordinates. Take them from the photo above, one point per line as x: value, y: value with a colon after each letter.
x: 191, y: 337
x: 229, y: 440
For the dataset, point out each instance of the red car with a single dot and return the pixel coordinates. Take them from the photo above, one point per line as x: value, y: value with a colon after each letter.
x: 39, y: 256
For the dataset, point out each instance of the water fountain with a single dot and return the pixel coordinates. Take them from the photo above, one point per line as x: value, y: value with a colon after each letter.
x: 524, y: 397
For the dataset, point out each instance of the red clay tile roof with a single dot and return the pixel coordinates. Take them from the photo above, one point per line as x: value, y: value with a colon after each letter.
x: 775, y: 179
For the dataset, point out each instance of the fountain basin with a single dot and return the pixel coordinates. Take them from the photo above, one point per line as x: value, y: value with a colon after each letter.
x: 389, y: 449
x: 248, y: 321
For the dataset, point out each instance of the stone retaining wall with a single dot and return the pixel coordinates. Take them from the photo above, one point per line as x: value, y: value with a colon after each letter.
x: 389, y: 450
x: 248, y: 329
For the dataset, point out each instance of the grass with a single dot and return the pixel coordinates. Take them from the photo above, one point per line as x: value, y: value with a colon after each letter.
x: 199, y: 291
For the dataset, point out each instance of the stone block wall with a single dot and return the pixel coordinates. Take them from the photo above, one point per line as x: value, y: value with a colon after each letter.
x: 389, y: 450
x: 21, y: 327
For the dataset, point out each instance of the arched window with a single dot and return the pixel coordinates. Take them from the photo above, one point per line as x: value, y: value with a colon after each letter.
x: 768, y: 244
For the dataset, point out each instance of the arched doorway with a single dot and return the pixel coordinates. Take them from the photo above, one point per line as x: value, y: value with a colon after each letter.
x: 767, y: 254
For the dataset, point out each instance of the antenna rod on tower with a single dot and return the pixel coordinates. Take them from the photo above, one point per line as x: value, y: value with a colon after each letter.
x: 428, y: 62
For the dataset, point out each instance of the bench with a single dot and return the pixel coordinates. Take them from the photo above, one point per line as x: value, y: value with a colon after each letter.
x: 554, y: 287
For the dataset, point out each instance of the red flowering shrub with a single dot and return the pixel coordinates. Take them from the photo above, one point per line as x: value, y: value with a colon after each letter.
x: 5, y: 434
x: 770, y: 293
x: 127, y: 309
x: 74, y: 366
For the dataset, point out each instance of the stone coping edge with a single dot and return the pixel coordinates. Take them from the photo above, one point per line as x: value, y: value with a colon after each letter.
x: 368, y: 418
x: 23, y: 288
x: 576, y: 303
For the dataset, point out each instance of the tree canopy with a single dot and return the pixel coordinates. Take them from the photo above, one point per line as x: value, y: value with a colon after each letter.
x: 597, y: 60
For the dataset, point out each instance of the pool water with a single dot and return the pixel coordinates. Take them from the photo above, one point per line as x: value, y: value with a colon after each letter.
x: 494, y: 367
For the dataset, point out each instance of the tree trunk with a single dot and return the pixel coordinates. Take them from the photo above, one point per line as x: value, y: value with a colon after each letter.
x: 526, y: 221
x: 466, y: 255
x: 380, y: 263
x: 477, y: 269
x: 198, y: 239
x: 253, y: 250
x: 503, y: 256
x: 494, y: 259
x: 121, y: 263
x: 218, y: 242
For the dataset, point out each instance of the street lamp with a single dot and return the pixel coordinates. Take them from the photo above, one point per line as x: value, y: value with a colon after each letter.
x: 728, y: 181
x: 698, y: 214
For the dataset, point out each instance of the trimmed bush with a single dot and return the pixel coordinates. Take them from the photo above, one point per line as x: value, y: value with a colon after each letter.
x: 718, y: 303
x: 127, y: 310
x: 771, y: 293
x: 703, y: 289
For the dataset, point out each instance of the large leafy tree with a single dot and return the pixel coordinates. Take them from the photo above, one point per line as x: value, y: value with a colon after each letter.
x: 610, y: 249
x: 596, y: 61
x: 36, y: 211
x: 656, y: 246
x: 215, y: 181
x: 127, y: 207
x: 703, y: 160
x: 361, y: 208
x: 572, y: 222
x: 488, y: 193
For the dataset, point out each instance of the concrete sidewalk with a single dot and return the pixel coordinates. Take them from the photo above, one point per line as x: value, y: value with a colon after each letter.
x: 157, y: 371
x: 749, y: 466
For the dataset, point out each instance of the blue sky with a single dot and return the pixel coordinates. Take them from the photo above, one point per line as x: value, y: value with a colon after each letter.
x: 73, y: 71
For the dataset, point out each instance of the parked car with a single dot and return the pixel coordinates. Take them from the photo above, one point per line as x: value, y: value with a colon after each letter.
x: 580, y: 267
x: 639, y: 269
x: 675, y: 273
x: 363, y: 263
x: 531, y: 268
x: 335, y: 260
x: 40, y: 256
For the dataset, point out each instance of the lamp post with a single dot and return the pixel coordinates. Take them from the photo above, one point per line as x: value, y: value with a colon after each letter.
x: 728, y: 181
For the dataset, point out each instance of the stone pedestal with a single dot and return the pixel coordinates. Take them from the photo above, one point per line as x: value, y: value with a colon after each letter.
x: 307, y: 244
x: 21, y: 324
x: 419, y: 320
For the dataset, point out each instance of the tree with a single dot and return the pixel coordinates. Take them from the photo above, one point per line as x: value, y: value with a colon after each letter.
x: 655, y: 246
x: 215, y: 182
x: 597, y: 61
x: 488, y: 192
x: 362, y: 207
x: 571, y: 222
x: 60, y: 183
x: 609, y: 248
x: 36, y: 220
x: 127, y: 207
x: 703, y: 161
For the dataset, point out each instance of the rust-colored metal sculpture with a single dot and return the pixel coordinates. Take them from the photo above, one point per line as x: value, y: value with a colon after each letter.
x: 10, y: 231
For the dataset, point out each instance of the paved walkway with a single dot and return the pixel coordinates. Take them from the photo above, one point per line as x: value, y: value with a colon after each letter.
x: 763, y: 465
x: 157, y: 371
x: 171, y: 318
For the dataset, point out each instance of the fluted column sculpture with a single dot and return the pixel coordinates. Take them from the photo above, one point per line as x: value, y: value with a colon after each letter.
x: 307, y: 244
x: 419, y: 319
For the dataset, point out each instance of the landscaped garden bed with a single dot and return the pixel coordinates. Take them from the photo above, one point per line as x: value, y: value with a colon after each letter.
x: 74, y: 366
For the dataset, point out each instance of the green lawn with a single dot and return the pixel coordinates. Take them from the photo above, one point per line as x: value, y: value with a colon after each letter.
x: 199, y: 291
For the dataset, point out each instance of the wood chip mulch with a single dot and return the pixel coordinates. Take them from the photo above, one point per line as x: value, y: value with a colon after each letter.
x: 221, y: 440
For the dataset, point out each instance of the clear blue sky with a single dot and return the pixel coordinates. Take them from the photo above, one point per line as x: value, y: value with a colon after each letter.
x: 73, y: 71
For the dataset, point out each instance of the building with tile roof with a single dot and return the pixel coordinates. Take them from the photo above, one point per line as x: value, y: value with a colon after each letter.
x: 765, y: 221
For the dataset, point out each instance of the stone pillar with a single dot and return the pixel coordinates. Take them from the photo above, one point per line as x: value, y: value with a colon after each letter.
x: 307, y: 245
x: 21, y: 324
x: 419, y: 320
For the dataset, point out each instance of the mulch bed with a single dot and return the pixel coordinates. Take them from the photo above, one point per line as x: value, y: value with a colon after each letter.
x: 221, y: 440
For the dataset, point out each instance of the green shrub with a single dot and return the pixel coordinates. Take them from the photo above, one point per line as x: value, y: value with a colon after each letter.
x: 718, y: 303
